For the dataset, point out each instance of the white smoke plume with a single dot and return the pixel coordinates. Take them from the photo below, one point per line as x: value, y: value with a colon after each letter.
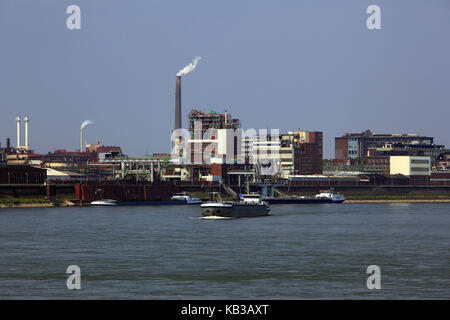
x: 190, y: 67
x: 86, y: 123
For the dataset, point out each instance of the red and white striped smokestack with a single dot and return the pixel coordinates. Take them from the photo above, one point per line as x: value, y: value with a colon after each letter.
x: 178, y: 103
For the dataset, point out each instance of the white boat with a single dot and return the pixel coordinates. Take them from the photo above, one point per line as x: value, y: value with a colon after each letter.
x: 330, y: 195
x: 105, y: 202
x: 186, y: 198
x: 250, y: 198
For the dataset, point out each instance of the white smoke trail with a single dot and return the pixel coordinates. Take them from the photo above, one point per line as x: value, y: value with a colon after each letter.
x: 190, y: 67
x: 86, y: 123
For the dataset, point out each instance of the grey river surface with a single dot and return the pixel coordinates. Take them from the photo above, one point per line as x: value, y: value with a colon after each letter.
x: 319, y: 251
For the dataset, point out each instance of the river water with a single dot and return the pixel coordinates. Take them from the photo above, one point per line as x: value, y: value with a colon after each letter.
x: 318, y: 251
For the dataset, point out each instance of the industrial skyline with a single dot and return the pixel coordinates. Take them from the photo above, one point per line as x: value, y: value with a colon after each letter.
x: 286, y: 66
x: 214, y: 152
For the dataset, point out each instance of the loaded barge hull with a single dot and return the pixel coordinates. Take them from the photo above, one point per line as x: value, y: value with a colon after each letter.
x: 299, y: 201
x: 128, y: 194
x: 228, y: 210
x: 137, y: 203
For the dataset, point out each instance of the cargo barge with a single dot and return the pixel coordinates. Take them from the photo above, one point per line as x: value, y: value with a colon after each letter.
x: 127, y: 193
x: 249, y: 206
x: 114, y: 203
x: 322, y: 197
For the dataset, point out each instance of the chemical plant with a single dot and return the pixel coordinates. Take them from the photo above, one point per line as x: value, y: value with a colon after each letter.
x: 214, y: 153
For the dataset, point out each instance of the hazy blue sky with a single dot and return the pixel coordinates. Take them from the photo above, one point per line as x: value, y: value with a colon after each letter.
x: 274, y: 64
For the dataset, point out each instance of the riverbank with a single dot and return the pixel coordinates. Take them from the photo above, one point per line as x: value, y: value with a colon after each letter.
x: 37, y: 202
x: 52, y: 205
x: 70, y: 200
x: 28, y: 205
x: 410, y: 198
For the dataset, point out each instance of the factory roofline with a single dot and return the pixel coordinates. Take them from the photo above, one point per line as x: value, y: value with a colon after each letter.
x: 369, y: 134
x: 108, y: 149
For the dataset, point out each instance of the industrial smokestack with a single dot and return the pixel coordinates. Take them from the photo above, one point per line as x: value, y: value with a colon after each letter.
x: 83, y: 125
x: 18, y: 132
x: 186, y: 70
x: 190, y: 67
x: 26, y: 120
x: 178, y: 103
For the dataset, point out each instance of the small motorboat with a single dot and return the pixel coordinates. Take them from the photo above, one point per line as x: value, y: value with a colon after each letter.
x: 105, y: 202
x: 331, y: 196
x: 186, y: 198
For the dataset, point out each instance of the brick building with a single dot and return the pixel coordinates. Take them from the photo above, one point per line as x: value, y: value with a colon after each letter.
x: 22, y: 174
x: 352, y: 146
x: 295, y: 153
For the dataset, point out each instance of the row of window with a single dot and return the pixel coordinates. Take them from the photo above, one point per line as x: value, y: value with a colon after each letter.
x: 416, y: 161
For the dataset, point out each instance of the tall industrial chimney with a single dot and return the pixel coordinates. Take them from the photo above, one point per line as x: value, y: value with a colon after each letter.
x: 18, y: 132
x: 81, y: 140
x: 26, y: 119
x: 178, y: 102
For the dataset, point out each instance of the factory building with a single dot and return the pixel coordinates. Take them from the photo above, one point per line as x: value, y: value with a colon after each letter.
x: 212, y: 143
x: 61, y: 158
x: 67, y: 159
x: 2, y: 156
x: 443, y: 161
x: 247, y: 149
x: 410, y: 165
x: 220, y: 147
x: 104, y: 152
x: 22, y: 174
x: 266, y: 155
x: 353, y: 146
x: 213, y: 138
x: 379, y: 163
x: 295, y: 153
x: 287, y: 158
x: 64, y: 176
x: 18, y: 155
x: 308, y: 151
x: 200, y: 121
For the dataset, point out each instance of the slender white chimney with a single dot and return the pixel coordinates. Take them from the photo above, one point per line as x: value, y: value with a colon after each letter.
x: 81, y: 140
x: 26, y: 119
x: 18, y: 132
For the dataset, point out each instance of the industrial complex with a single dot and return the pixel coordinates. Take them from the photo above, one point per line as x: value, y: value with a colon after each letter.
x: 213, y: 152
